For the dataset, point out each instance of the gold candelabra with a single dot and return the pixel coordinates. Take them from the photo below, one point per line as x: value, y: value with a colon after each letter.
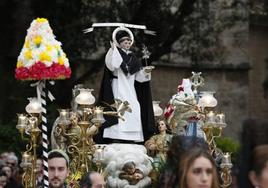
x: 28, y: 128
x: 212, y: 125
x: 74, y: 131
x: 212, y: 128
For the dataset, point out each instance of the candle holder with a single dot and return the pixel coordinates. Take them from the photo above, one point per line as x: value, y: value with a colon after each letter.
x: 226, y: 166
x: 28, y: 128
x: 74, y: 132
x: 99, y: 158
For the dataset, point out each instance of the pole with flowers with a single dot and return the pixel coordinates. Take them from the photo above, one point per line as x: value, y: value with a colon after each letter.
x: 42, y: 60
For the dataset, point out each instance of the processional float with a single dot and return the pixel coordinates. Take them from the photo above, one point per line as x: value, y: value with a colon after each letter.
x: 189, y: 112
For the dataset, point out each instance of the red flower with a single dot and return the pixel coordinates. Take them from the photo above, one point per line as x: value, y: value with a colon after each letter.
x: 168, y: 111
x: 40, y: 71
x: 180, y: 88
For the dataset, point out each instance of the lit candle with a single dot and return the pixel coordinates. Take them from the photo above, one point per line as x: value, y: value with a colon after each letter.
x: 32, y: 123
x: 226, y: 160
x: 22, y: 121
x: 99, y: 154
x: 211, y: 117
x: 221, y: 118
x: 98, y: 115
x: 64, y: 117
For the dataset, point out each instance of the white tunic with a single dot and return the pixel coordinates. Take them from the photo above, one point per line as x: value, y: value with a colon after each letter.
x: 123, y: 89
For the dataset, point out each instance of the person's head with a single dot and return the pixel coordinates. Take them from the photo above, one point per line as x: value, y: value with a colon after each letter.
x: 92, y: 180
x: 4, y: 155
x: 12, y: 160
x: 197, y: 169
x: 129, y: 167
x: 181, y: 144
x: 123, y: 39
x: 161, y: 125
x: 7, y: 170
x: 254, y: 134
x: 39, y: 165
x: 58, y: 163
x: 258, y: 173
x: 3, y: 179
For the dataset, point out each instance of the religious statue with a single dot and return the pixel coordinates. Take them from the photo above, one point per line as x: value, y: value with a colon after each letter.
x: 130, y: 173
x: 158, y: 144
x: 182, y: 108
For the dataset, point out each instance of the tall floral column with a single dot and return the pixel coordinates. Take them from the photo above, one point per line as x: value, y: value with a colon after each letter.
x: 42, y: 59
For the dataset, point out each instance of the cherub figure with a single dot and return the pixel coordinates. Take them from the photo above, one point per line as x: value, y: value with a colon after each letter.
x: 131, y: 173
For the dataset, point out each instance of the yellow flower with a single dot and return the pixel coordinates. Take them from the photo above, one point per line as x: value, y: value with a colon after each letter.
x: 27, y: 44
x: 28, y: 54
x: 41, y: 20
x: 57, y: 47
x: 43, y: 56
x: 78, y: 175
x: 37, y: 40
x: 19, y: 64
x: 49, y: 47
x: 61, y: 60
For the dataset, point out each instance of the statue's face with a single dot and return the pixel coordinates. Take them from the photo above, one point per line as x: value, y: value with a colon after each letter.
x: 125, y: 44
x: 162, y: 126
x: 130, y: 169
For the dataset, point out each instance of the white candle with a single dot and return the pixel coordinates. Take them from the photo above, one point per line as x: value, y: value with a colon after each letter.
x: 99, y: 154
x: 211, y: 117
x: 221, y: 118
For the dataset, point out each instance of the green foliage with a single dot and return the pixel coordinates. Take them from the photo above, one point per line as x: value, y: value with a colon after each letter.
x: 10, y: 139
x: 227, y: 144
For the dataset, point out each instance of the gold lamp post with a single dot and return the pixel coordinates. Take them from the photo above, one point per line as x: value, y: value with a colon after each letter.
x: 28, y: 126
x: 74, y: 131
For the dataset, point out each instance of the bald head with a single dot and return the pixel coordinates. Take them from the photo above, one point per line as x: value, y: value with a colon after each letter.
x: 92, y: 180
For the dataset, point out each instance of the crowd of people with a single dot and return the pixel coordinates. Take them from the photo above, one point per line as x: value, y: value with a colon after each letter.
x: 10, y: 176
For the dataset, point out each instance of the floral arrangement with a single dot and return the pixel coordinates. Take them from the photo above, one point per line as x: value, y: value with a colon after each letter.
x: 42, y: 56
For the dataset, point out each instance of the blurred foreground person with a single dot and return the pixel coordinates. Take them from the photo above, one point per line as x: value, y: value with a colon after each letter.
x: 258, y: 173
x: 58, y: 168
x: 197, y: 169
x: 92, y: 180
x: 254, y: 134
x: 189, y: 165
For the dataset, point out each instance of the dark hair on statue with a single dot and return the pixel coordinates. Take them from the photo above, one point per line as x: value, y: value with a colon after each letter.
x: 122, y: 35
